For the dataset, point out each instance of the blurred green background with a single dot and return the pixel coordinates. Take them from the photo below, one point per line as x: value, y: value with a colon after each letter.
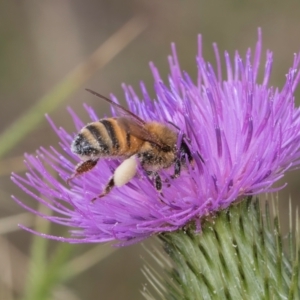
x: 45, y: 42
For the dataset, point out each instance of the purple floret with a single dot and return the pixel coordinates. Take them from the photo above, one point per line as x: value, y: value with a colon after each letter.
x: 244, y: 136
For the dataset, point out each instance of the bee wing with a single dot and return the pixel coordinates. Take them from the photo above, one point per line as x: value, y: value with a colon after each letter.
x: 122, y: 111
x: 134, y: 128
x: 130, y: 122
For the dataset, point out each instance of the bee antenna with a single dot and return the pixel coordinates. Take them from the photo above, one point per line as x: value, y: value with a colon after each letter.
x: 122, y: 110
x: 99, y: 95
x: 184, y: 136
x: 174, y: 125
x: 201, y: 158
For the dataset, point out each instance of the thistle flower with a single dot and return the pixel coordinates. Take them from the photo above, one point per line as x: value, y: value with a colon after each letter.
x: 244, y: 135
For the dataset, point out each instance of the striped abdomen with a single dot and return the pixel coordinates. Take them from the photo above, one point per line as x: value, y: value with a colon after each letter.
x: 105, y: 138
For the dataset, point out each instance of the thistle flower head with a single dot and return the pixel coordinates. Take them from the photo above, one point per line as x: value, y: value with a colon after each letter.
x: 244, y: 135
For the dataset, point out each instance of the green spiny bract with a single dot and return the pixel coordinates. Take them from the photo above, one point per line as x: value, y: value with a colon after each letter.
x: 238, y: 255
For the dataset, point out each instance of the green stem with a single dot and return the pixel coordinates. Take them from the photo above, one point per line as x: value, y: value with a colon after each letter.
x: 45, y: 272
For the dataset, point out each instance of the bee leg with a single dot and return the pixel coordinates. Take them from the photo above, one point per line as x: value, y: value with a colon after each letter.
x: 177, y: 168
x: 122, y: 175
x: 108, y: 188
x: 157, y: 182
x: 157, y: 179
x: 83, y: 167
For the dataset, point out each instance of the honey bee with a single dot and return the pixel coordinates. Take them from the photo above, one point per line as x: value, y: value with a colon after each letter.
x: 152, y: 145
